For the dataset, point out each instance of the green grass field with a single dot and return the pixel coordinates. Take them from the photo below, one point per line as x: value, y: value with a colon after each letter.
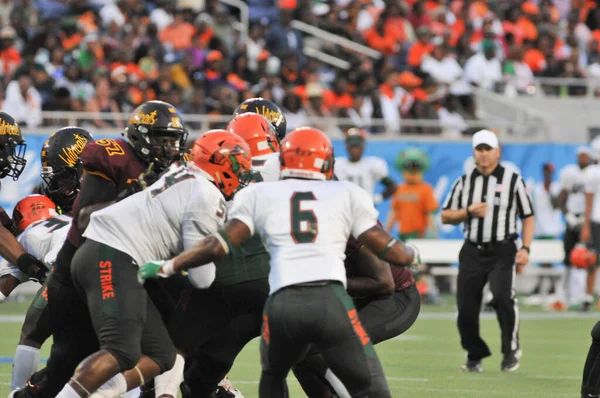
x: 424, y: 361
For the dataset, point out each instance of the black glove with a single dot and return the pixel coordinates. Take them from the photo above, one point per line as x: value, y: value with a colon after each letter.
x: 148, y: 177
x: 133, y: 186
x: 34, y: 268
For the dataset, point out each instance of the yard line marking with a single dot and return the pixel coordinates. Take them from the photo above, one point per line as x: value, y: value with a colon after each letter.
x: 12, y: 318
x: 462, y: 355
x: 410, y: 337
x: 10, y: 360
x: 486, y: 393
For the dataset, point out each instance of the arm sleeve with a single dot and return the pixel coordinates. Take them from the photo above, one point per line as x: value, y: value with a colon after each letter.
x: 453, y: 201
x: 590, y: 181
x: 523, y: 199
x: 380, y: 169
x: 243, y: 207
x: 565, y: 180
x: 364, y: 215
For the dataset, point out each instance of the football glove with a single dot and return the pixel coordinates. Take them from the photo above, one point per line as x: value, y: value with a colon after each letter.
x: 34, y: 268
x: 148, y: 177
x: 155, y: 269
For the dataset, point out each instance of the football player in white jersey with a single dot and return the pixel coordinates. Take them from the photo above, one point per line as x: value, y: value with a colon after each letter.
x: 186, y: 204
x: 41, y: 233
x: 364, y: 171
x: 306, y: 226
x: 234, y: 302
x: 572, y: 204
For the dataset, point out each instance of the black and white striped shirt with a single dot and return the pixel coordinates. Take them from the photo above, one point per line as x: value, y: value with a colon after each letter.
x: 506, y: 195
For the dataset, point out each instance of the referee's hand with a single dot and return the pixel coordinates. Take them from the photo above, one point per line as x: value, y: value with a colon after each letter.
x: 478, y: 209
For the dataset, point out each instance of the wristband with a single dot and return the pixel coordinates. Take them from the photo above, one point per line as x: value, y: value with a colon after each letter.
x: 168, y: 268
x: 526, y: 248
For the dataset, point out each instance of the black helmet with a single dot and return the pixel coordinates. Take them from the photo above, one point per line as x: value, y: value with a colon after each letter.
x: 266, y: 108
x: 61, y: 165
x: 149, y: 125
x: 12, y: 148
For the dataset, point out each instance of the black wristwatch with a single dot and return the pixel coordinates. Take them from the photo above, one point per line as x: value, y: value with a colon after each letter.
x: 526, y: 248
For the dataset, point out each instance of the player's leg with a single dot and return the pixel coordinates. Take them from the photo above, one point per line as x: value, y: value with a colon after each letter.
x: 383, y: 318
x: 211, y: 361
x: 347, y: 348
x: 502, y: 284
x: 118, y: 307
x: 35, y: 331
x: 591, y: 276
x: 591, y: 371
x: 288, y: 323
x: 472, y: 277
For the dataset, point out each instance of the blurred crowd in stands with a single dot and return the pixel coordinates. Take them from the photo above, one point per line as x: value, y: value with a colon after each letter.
x: 111, y: 55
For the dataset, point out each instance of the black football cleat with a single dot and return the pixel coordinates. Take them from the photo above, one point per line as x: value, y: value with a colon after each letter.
x: 472, y: 366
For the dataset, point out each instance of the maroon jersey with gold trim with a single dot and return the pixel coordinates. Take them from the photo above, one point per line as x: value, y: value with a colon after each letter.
x: 113, y: 160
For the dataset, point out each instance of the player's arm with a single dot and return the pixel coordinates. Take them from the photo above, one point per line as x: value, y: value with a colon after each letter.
x: 97, y: 192
x: 388, y: 248
x: 390, y: 187
x: 590, y: 187
x: 373, y: 277
x: 562, y: 200
x: 207, y: 251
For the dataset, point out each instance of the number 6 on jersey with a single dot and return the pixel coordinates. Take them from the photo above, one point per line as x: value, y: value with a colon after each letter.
x: 304, y: 222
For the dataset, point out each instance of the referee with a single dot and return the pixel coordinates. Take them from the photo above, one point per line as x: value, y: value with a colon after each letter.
x: 488, y: 199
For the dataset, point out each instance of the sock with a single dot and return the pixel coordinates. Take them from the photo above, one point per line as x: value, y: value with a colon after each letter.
x: 577, y: 286
x: 112, y: 388
x: 26, y: 363
x: 2, y: 297
x: 135, y: 393
x: 337, y: 384
x: 67, y: 392
x: 168, y: 382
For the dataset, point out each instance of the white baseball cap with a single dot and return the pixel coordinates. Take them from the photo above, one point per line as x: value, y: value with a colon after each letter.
x: 486, y: 137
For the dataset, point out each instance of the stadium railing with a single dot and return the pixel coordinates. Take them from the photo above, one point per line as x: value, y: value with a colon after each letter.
x: 330, y: 125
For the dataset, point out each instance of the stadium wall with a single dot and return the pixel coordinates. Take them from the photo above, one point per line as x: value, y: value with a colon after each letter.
x: 448, y: 161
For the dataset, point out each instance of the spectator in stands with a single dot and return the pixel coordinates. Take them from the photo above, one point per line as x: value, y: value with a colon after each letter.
x: 178, y: 33
x: 483, y: 69
x: 102, y: 102
x: 516, y: 72
x: 281, y: 37
x: 23, y: 102
x: 394, y: 101
x: 452, y: 122
x: 295, y: 115
x: 444, y: 69
x: 9, y: 56
x: 421, y: 47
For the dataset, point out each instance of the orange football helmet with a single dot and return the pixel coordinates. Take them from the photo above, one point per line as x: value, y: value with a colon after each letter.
x: 307, y: 153
x: 226, y: 158
x: 31, y: 209
x: 257, y: 131
x: 582, y: 257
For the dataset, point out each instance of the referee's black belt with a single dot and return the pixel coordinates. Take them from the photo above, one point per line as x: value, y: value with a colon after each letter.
x: 489, y: 246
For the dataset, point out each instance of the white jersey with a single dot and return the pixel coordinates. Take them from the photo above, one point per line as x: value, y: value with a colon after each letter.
x: 43, y: 240
x: 267, y: 166
x: 572, y: 180
x: 170, y: 216
x: 548, y: 220
x: 365, y: 173
x: 591, y: 180
x: 305, y: 225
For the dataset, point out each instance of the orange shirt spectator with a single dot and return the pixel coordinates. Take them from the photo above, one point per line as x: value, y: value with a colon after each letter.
x: 417, y: 52
x: 535, y: 60
x: 179, y: 34
x: 527, y: 28
x: 332, y: 100
x: 10, y: 59
x: 412, y: 205
x: 387, y: 43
